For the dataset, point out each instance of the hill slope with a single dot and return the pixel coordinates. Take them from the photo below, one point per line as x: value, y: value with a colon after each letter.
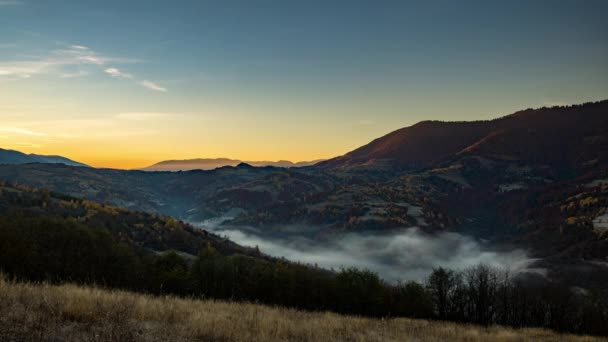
x: 178, y: 194
x: 72, y: 313
x: 561, y: 136
x: 147, y: 232
x: 534, y: 179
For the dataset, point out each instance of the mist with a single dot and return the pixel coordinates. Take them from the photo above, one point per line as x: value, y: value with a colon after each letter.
x: 407, y: 254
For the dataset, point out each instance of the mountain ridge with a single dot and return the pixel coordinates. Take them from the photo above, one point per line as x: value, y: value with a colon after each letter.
x: 214, y: 163
x: 429, y: 142
x: 534, y: 179
x: 11, y: 157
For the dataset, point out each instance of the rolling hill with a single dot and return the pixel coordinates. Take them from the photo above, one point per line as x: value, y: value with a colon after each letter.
x: 152, y: 233
x: 49, y: 238
x: 534, y: 179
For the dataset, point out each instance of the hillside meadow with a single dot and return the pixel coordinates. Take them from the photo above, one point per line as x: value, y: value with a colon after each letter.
x: 45, y: 312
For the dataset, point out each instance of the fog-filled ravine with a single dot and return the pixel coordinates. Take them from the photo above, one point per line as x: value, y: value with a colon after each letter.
x: 399, y: 255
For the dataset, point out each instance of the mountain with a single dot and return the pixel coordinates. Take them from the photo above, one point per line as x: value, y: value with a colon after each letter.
x: 417, y: 146
x: 559, y: 136
x: 536, y: 179
x: 15, y: 157
x: 180, y: 194
x: 210, y: 164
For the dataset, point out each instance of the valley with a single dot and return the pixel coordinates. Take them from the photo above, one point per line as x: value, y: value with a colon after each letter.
x: 303, y: 171
x: 477, y: 180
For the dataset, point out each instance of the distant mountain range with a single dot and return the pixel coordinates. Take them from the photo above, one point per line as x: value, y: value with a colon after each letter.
x: 214, y: 163
x: 536, y: 179
x: 12, y: 157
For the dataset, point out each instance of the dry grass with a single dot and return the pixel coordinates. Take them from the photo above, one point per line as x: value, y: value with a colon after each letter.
x: 42, y: 312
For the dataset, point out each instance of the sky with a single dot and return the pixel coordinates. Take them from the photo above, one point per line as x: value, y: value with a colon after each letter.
x: 125, y: 84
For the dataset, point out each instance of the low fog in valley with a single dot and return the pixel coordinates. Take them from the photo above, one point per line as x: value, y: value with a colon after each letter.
x: 400, y: 255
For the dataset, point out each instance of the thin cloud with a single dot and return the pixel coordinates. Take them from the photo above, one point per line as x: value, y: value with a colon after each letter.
x: 62, y: 62
x: 79, y: 73
x: 69, y: 129
x: 20, y: 131
x: 153, y: 86
x: 82, y: 54
x: 142, y: 116
x: 55, y: 63
x: 10, y: 3
x: 79, y: 47
x: 18, y: 145
x: 24, y: 69
x: 115, y: 72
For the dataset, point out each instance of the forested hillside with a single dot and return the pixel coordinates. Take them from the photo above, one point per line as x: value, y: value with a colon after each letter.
x: 46, y: 236
x: 534, y: 180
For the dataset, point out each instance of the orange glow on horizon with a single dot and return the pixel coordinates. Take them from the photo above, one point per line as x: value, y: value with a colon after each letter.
x: 132, y: 161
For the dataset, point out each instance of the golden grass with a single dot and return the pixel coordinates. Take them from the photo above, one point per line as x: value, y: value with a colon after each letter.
x: 42, y: 312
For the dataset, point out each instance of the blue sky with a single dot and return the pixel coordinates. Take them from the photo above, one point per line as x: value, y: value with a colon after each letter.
x: 279, y: 79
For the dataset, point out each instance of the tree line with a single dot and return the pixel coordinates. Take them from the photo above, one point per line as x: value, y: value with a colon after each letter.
x: 56, y: 249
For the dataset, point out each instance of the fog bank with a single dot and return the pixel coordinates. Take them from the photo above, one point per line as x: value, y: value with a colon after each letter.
x: 408, y: 254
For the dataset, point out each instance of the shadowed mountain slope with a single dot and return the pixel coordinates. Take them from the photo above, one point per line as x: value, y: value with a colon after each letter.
x: 536, y: 179
x: 560, y: 136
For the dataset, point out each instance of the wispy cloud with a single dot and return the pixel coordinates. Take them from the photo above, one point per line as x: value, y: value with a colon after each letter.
x: 21, y: 69
x: 152, y: 86
x: 20, y: 131
x: 115, y: 72
x: 53, y: 130
x: 19, y: 145
x: 59, y: 62
x: 79, y: 73
x: 75, y: 55
x: 10, y: 3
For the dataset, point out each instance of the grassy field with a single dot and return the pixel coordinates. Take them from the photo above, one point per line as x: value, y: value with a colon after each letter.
x: 42, y: 312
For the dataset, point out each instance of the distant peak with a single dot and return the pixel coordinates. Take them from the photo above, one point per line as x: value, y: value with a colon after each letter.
x: 214, y: 163
x: 17, y: 157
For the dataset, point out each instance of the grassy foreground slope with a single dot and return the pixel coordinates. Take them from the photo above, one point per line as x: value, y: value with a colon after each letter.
x: 43, y: 312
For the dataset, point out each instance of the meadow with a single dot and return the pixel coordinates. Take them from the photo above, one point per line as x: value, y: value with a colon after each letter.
x: 47, y: 312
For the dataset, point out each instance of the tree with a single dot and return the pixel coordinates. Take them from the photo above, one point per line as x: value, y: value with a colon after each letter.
x: 441, y: 284
x: 482, y: 286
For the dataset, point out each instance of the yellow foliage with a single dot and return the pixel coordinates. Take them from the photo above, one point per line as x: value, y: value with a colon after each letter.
x: 588, y: 201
